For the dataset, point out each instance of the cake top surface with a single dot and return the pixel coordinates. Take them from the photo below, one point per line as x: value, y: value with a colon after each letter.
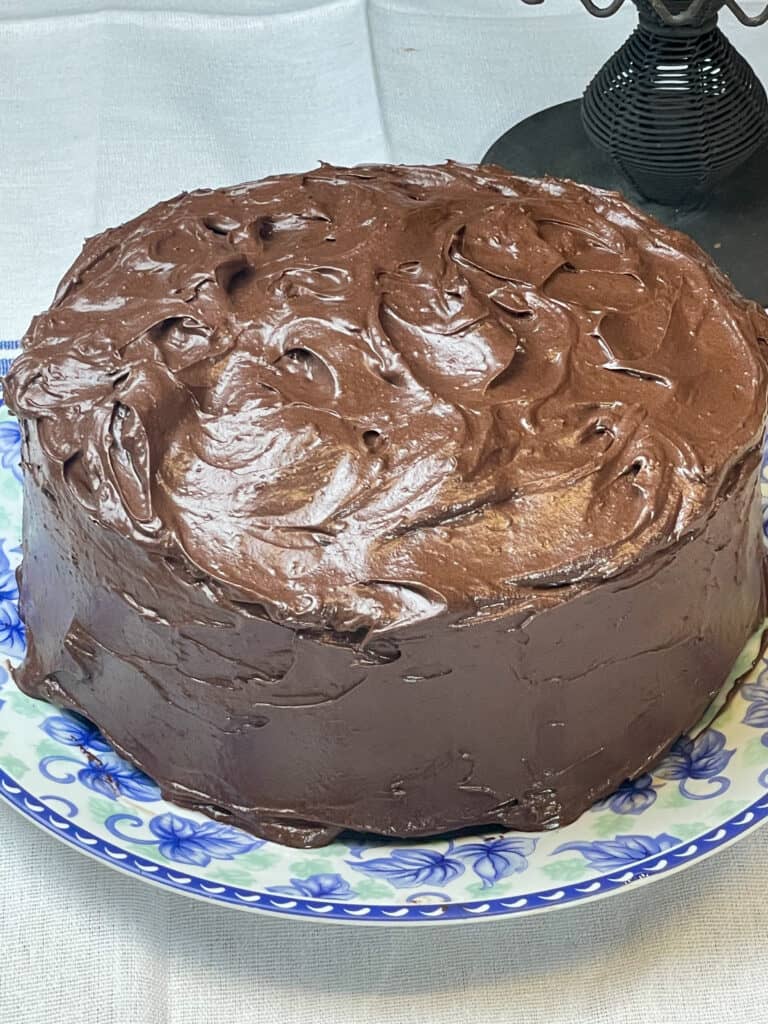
x: 360, y: 397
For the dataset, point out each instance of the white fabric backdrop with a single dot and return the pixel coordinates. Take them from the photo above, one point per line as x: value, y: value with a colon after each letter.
x: 103, y: 112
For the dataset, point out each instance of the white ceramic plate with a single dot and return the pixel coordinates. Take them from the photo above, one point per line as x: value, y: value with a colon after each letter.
x: 57, y: 770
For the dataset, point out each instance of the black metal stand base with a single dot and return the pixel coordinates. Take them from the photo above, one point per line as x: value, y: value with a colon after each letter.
x: 732, y: 226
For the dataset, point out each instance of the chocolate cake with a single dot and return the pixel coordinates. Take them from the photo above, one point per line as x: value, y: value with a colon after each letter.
x: 400, y: 499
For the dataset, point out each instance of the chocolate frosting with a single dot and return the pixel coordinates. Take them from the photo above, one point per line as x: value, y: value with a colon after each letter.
x: 362, y: 397
x: 374, y: 406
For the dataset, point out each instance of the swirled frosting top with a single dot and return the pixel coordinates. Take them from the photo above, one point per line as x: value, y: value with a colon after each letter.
x: 359, y: 397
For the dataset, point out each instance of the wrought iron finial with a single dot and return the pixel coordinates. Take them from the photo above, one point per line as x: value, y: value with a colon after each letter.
x: 689, y: 15
x: 677, y: 120
x: 594, y: 9
x: 677, y: 108
x: 744, y: 18
x: 682, y: 18
x: 602, y: 12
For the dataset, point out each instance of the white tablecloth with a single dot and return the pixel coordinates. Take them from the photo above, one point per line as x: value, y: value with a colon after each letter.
x: 103, y: 111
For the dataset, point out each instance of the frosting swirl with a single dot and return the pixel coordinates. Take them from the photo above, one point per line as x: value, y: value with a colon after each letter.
x: 357, y: 398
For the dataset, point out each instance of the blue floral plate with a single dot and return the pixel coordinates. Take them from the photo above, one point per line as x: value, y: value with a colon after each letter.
x: 56, y: 769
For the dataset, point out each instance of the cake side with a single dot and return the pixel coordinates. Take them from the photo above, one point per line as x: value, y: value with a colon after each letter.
x: 520, y: 721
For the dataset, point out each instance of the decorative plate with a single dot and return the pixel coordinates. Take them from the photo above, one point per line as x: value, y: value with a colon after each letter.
x: 56, y: 769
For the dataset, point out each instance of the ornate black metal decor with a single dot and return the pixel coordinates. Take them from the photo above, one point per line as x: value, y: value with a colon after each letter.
x: 676, y: 107
x: 676, y: 119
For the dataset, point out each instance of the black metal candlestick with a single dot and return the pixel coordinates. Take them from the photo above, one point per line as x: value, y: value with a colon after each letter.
x: 678, y: 121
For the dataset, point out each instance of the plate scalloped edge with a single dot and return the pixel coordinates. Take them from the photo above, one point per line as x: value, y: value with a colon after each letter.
x: 665, y: 864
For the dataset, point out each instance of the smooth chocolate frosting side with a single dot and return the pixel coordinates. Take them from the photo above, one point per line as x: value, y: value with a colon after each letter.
x: 399, y: 499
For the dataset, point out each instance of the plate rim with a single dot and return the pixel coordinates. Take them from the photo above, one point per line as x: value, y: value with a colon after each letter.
x: 639, y: 873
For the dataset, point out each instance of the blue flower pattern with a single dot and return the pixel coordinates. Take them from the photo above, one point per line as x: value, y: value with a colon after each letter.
x: 9, y: 590
x: 10, y: 447
x: 757, y: 712
x: 13, y: 640
x: 74, y: 731
x: 106, y: 774
x: 410, y: 867
x: 359, y: 844
x: 12, y: 635
x: 187, y: 841
x: 632, y: 797
x: 495, y: 859
x: 321, y: 887
x: 99, y: 768
x: 622, y: 851
x: 700, y: 760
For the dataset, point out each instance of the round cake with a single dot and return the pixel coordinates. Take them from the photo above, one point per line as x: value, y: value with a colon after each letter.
x: 398, y: 499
